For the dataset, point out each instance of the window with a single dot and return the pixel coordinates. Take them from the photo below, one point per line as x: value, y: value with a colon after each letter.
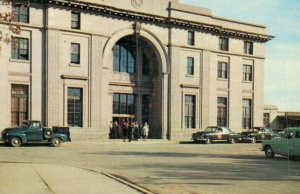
x: 124, y: 104
x: 222, y: 112
x: 75, y: 107
x: 20, y: 48
x: 222, y: 70
x: 247, y: 72
x: 246, y: 123
x: 223, y: 44
x: 75, y: 53
x: 191, y: 38
x: 21, y: 13
x: 19, y: 104
x: 190, y: 66
x: 145, y: 108
x: 266, y: 119
x: 146, y: 65
x: 75, y: 20
x: 190, y: 109
x: 248, y: 47
x: 123, y: 58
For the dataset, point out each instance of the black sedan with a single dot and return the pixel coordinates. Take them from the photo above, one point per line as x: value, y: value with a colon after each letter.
x: 257, y: 134
x: 216, y: 134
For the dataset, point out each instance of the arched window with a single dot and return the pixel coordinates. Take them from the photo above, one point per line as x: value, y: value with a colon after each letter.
x: 124, y: 56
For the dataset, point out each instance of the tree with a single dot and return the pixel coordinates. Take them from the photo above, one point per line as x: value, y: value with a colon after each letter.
x: 8, y: 27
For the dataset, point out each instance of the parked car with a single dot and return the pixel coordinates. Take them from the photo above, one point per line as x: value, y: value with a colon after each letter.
x: 257, y: 134
x: 216, y: 134
x: 33, y: 132
x: 286, y: 145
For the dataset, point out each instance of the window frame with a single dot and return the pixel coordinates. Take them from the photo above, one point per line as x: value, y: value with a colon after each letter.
x: 72, y: 54
x: 247, y: 73
x: 248, y: 47
x: 222, y: 111
x: 125, y: 107
x: 18, y: 15
x: 191, y: 38
x: 75, y: 24
x: 16, y: 52
x: 190, y: 66
x: 223, y: 43
x: 247, y: 113
x: 189, y: 111
x: 222, y: 70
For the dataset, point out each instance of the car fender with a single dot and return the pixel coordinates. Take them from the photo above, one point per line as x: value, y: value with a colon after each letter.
x: 14, y: 134
x: 62, y: 137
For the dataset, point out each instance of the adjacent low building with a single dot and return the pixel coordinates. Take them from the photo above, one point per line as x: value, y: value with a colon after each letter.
x: 178, y: 67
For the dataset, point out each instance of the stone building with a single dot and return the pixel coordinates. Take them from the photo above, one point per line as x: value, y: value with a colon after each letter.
x: 176, y: 66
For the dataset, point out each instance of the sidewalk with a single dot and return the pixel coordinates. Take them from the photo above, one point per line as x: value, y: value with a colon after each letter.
x: 24, y: 178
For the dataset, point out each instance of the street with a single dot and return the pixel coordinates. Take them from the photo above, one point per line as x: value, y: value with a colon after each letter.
x: 168, y: 167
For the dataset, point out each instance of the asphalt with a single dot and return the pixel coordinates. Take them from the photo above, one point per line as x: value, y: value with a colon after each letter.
x: 26, y: 178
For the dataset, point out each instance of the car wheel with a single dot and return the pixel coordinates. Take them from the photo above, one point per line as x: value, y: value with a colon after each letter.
x: 232, y: 140
x: 208, y: 140
x: 269, y: 152
x: 56, y: 142
x: 15, y: 142
x: 253, y: 139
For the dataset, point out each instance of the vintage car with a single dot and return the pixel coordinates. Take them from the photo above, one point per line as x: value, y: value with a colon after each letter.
x: 286, y: 145
x: 216, y: 134
x: 33, y: 132
x: 257, y: 134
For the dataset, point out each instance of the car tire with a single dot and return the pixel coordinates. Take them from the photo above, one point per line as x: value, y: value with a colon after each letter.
x: 48, y: 133
x: 253, y: 140
x: 269, y: 153
x: 55, y: 142
x: 208, y: 140
x: 15, y: 142
x: 232, y: 140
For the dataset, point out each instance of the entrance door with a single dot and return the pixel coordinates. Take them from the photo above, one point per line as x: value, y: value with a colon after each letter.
x: 19, y: 104
x: 75, y: 107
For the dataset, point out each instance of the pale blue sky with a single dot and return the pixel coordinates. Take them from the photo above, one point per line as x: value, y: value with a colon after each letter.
x: 282, y: 64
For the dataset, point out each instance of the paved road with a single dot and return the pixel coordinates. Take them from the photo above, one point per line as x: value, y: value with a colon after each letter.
x: 168, y: 167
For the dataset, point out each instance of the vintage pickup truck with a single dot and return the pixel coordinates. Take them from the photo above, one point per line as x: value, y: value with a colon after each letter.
x: 33, y: 132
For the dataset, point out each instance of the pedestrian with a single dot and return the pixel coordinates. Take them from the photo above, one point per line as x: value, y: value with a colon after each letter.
x: 136, y: 131
x: 115, y: 129
x: 110, y: 126
x: 140, y: 130
x: 124, y: 130
x: 145, y: 130
x: 129, y: 131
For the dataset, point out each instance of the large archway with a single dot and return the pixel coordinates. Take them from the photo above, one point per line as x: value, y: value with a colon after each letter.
x: 137, y: 89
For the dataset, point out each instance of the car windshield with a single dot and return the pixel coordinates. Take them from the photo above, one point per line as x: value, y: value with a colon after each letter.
x: 253, y: 130
x: 25, y: 124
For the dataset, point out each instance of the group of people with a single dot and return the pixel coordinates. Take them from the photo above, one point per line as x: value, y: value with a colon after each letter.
x: 129, y: 130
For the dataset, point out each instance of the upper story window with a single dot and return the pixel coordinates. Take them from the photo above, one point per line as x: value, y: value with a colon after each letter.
x: 21, y: 13
x: 75, y: 20
x: 247, y: 72
x: 20, y: 48
x: 191, y: 38
x: 190, y: 66
x: 124, y: 60
x: 222, y: 70
x: 223, y: 44
x: 75, y: 53
x: 248, y: 47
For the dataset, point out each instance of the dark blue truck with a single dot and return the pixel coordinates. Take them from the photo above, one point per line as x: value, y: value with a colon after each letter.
x: 33, y: 132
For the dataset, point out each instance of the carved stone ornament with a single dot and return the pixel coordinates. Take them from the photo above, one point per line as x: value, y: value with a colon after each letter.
x: 137, y: 3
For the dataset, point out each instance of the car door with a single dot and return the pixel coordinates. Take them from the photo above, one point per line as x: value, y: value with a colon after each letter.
x: 294, y: 144
x: 34, y: 132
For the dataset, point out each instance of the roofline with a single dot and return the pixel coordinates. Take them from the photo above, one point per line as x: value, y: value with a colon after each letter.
x: 110, y: 11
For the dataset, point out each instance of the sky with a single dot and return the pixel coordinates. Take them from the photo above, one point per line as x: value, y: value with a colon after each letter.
x: 282, y: 64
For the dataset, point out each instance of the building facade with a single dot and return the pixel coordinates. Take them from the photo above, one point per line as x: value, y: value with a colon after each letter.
x: 177, y: 67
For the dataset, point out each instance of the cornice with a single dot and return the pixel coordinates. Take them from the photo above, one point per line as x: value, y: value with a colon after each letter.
x: 169, y: 22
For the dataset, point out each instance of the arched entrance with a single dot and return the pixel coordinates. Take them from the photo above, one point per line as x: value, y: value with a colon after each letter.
x: 137, y: 83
